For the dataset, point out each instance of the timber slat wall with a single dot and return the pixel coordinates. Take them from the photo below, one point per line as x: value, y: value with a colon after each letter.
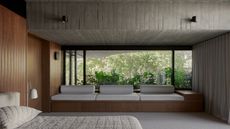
x: 26, y: 59
x: 51, y: 69
x: 13, y: 36
x: 34, y: 67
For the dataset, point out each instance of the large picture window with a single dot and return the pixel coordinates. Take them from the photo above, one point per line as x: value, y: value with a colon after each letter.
x: 128, y: 67
x: 132, y: 67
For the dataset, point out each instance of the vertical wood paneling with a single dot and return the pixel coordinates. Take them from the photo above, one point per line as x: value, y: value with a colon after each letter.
x: 26, y: 58
x: 51, y: 73
x: 13, y: 45
x: 45, y: 77
x: 55, y: 69
x: 34, y: 68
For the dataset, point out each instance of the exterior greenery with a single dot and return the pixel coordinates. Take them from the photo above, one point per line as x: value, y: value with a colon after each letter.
x: 135, y: 68
x: 183, y: 69
x: 132, y: 67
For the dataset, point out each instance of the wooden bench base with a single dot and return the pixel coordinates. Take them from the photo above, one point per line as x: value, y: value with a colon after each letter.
x: 126, y: 106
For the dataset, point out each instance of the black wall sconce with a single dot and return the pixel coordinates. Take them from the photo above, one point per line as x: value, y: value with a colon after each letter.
x: 56, y: 55
x: 64, y: 19
x: 193, y: 19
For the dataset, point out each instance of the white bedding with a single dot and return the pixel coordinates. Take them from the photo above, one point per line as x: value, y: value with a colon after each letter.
x: 82, y: 122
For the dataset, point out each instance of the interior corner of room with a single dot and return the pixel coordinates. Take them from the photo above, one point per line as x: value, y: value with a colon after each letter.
x: 46, y: 45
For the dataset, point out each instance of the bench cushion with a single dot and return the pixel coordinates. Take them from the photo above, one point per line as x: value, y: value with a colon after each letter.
x: 160, y: 97
x: 116, y: 89
x: 74, y: 97
x: 132, y: 97
x: 81, y: 89
x: 158, y: 89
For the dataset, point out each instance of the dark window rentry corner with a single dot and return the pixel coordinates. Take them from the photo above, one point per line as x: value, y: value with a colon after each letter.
x: 17, y: 6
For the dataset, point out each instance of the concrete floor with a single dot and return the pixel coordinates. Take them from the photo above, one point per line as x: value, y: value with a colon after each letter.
x: 156, y: 120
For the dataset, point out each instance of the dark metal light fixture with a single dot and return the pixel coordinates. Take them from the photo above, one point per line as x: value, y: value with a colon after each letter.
x: 193, y: 19
x: 64, y: 19
x: 56, y: 55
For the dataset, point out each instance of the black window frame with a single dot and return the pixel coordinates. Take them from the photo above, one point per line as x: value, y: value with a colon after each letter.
x: 126, y: 47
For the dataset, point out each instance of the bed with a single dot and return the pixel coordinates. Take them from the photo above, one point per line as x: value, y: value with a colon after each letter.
x: 83, y: 122
x: 14, y: 116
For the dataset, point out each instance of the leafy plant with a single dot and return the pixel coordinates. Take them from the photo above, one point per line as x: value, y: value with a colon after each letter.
x: 135, y: 68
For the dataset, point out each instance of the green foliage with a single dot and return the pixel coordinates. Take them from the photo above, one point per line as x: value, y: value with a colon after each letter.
x: 135, y: 68
x: 182, y: 79
x: 107, y: 78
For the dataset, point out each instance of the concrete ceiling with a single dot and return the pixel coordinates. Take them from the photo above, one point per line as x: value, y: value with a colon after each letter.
x: 133, y: 22
x: 108, y: 37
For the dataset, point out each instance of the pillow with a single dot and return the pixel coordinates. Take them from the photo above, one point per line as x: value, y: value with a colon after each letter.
x: 81, y: 89
x: 14, y: 116
x: 116, y: 89
x: 157, y: 89
x: 9, y: 99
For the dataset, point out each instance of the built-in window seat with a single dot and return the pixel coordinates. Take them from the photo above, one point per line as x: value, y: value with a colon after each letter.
x: 117, y: 93
x: 123, y: 98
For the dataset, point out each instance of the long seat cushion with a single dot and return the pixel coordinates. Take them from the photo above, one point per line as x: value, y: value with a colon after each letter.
x: 74, y: 97
x: 157, y: 89
x: 122, y: 97
x: 161, y: 97
x: 79, y: 89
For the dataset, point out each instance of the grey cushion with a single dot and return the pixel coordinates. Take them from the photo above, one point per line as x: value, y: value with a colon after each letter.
x: 74, y: 97
x: 81, y: 89
x: 163, y: 89
x: 119, y: 97
x: 161, y: 97
x: 116, y: 89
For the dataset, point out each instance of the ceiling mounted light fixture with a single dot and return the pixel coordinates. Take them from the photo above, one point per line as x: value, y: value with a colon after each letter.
x: 64, y: 19
x: 193, y: 19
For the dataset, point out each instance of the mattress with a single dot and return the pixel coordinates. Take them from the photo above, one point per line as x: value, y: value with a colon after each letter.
x: 74, y: 97
x: 82, y: 122
x: 132, y: 97
x: 161, y: 97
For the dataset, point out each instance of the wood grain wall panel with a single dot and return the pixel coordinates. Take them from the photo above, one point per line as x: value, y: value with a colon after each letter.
x: 34, y: 68
x: 51, y: 71
x: 13, y: 36
x: 27, y: 58
x: 45, y: 77
x: 55, y: 69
